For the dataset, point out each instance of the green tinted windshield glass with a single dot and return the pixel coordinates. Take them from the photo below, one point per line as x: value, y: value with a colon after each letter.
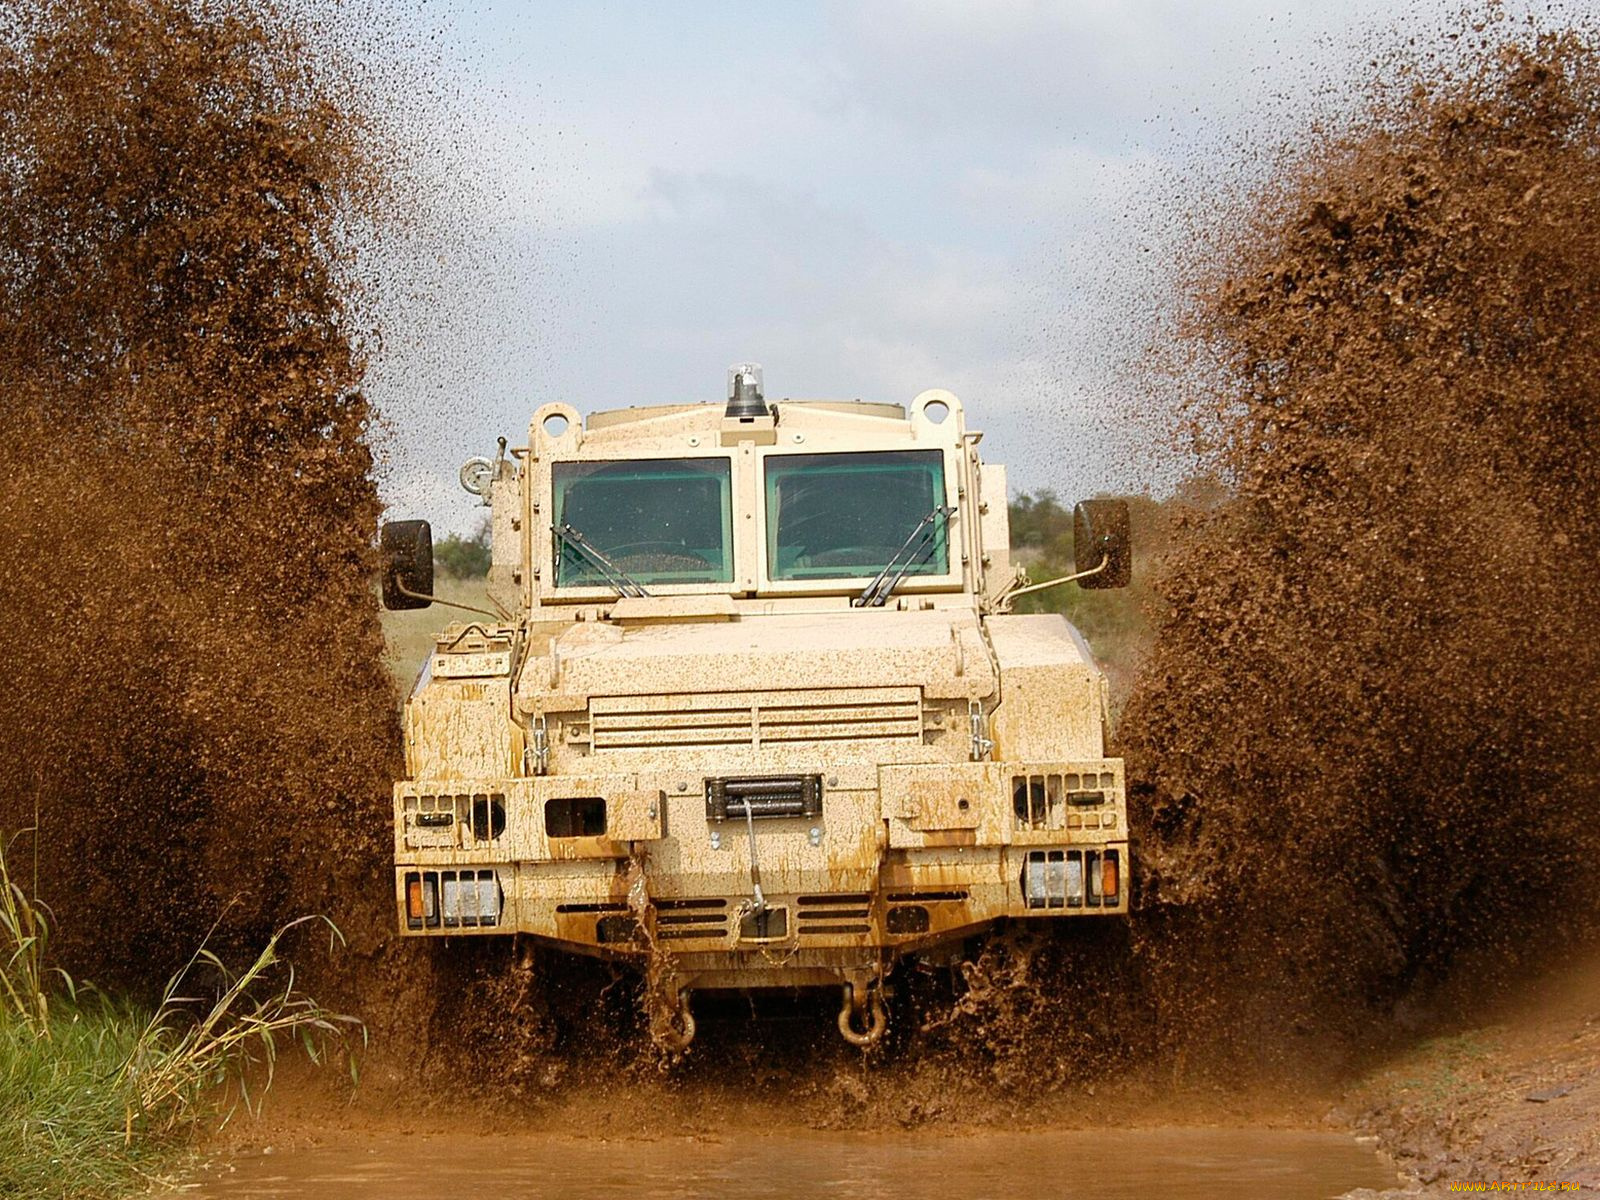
x: 660, y: 520
x: 844, y: 516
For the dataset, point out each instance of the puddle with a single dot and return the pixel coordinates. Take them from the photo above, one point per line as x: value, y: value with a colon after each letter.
x: 1106, y: 1165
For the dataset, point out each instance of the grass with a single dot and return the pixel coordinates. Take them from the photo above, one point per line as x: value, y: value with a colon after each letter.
x: 101, y: 1099
x: 66, y: 1109
x: 1444, y: 1070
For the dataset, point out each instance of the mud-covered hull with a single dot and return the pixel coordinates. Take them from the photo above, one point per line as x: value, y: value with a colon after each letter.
x: 807, y: 738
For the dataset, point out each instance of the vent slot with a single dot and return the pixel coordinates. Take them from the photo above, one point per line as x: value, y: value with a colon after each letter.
x: 683, y: 920
x: 847, y: 913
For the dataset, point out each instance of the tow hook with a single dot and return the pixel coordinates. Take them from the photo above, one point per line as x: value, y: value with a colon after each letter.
x: 868, y: 1013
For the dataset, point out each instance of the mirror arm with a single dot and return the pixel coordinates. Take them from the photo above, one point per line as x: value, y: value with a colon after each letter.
x: 1105, y: 561
x: 405, y: 591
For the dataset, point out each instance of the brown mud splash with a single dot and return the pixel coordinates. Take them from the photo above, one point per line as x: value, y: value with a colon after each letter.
x: 196, y: 719
x: 1368, y: 732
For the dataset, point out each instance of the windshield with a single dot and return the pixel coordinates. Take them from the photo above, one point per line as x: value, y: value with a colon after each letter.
x: 844, y: 516
x: 659, y: 520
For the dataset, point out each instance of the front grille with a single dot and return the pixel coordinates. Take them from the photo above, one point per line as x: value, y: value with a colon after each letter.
x: 710, y: 720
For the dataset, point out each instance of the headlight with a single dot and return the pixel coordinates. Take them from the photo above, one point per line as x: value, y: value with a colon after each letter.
x: 1071, y: 878
x: 469, y: 899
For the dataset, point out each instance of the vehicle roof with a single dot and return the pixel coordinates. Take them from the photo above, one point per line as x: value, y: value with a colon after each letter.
x: 610, y: 418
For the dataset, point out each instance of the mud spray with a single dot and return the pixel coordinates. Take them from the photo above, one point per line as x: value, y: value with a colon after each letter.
x: 197, y: 726
x: 1365, y: 739
x: 1367, y: 735
x: 1364, y: 743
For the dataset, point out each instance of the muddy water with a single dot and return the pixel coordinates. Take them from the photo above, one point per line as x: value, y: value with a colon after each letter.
x: 1195, y: 1163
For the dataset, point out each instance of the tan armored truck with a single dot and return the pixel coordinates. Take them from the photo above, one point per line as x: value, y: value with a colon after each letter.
x: 752, y: 710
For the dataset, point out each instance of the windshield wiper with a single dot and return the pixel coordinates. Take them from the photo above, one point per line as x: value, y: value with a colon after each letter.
x: 917, y: 547
x: 614, y: 576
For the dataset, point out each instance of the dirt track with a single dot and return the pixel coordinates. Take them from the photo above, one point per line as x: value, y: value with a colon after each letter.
x: 1512, y: 1095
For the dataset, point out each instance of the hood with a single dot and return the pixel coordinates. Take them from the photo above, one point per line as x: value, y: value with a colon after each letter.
x: 941, y: 651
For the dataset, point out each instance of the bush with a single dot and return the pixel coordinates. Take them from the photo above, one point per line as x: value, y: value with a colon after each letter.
x: 464, y: 557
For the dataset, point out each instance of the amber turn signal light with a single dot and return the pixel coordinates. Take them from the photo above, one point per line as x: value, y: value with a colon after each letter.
x: 414, y: 899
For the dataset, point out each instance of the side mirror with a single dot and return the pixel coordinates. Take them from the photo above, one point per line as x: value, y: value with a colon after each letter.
x: 1100, y: 530
x: 407, y: 551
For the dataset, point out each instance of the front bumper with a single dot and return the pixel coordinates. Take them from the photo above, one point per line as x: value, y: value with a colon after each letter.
x: 891, y: 859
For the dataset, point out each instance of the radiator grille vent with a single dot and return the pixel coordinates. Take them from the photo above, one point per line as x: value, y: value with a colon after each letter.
x: 714, y: 719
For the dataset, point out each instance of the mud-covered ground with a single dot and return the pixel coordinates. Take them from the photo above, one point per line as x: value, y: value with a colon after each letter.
x: 1511, y: 1094
x: 1363, y: 741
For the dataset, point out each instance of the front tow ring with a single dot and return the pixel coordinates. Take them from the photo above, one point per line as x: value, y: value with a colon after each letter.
x: 870, y: 1014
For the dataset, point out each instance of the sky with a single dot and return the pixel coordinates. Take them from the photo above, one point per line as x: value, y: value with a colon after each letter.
x: 869, y: 199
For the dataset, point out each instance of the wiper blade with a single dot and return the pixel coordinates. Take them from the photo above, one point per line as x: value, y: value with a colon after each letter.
x: 614, y: 576
x: 917, y: 547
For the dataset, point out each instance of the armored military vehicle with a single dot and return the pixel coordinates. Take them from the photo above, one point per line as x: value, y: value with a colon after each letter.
x: 751, y: 708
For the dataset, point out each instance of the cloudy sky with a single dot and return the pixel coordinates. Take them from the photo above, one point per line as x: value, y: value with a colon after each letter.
x: 867, y: 198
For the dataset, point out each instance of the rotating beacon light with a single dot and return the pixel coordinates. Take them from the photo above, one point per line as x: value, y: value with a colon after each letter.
x: 746, y: 400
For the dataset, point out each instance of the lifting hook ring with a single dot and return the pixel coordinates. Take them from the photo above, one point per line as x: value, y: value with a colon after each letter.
x: 872, y: 1013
